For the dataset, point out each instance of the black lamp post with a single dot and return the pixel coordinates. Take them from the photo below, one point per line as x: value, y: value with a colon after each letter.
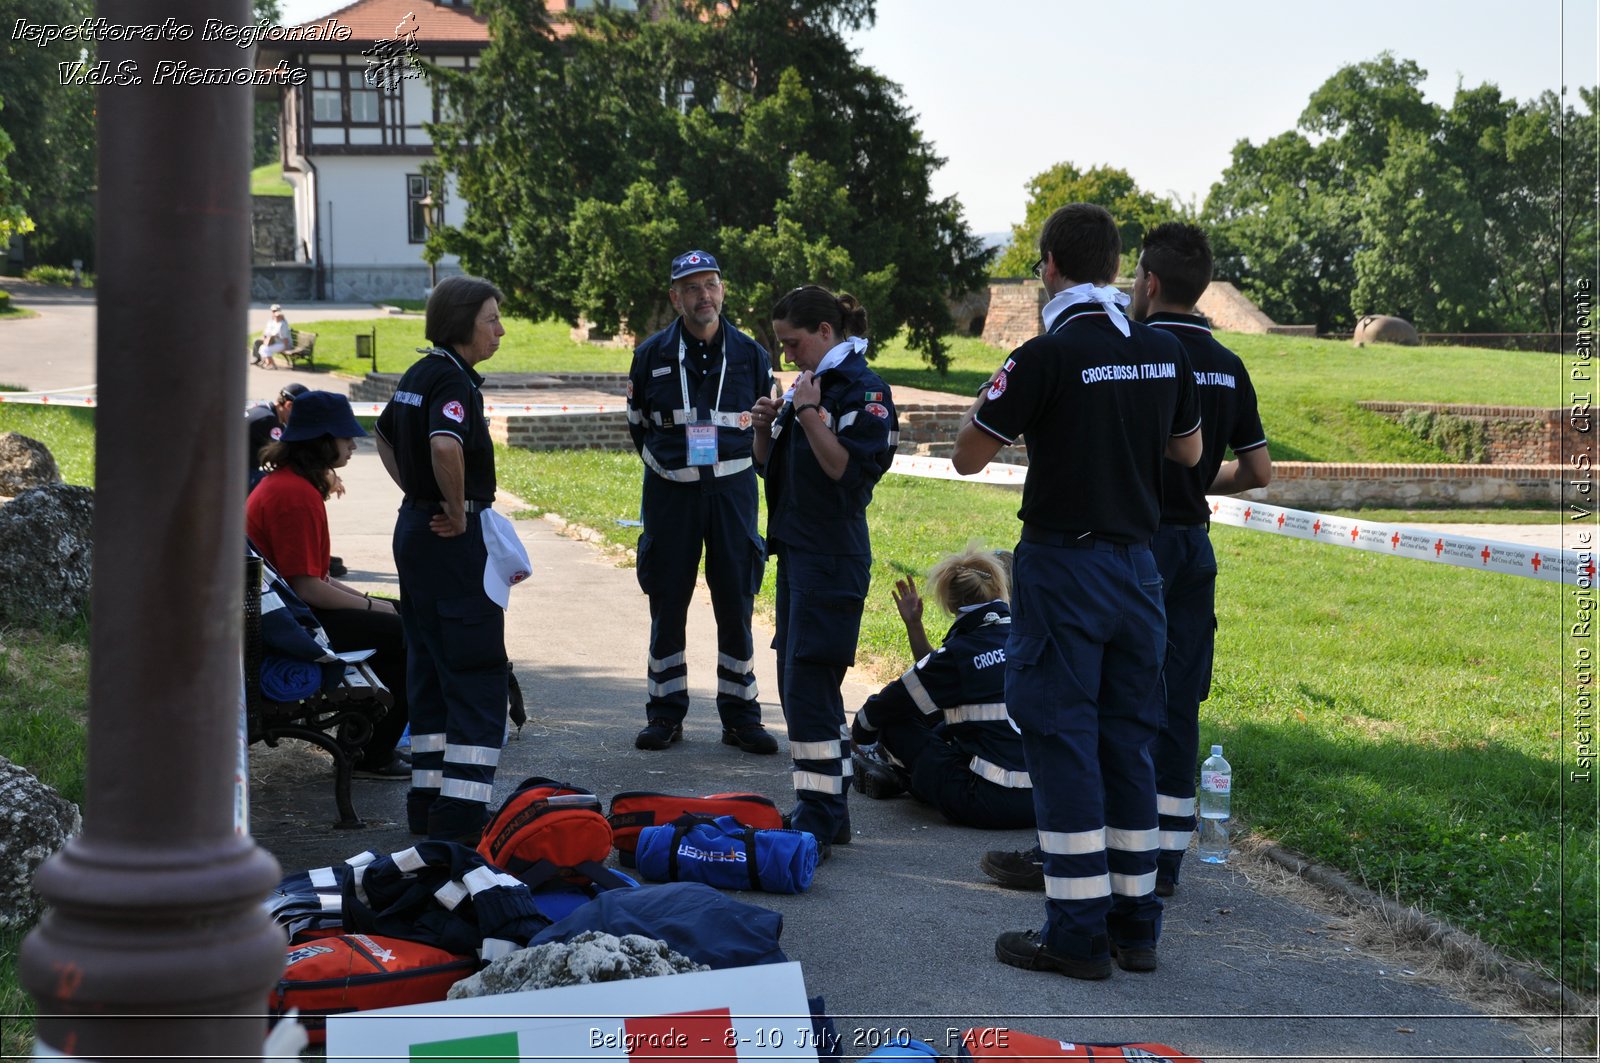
x: 429, y: 221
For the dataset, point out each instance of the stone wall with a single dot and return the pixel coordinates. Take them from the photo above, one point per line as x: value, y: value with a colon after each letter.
x: 1227, y: 308
x: 1013, y: 316
x: 571, y: 431
x: 284, y: 283
x: 1516, y: 435
x: 272, y: 230
x: 1329, y: 485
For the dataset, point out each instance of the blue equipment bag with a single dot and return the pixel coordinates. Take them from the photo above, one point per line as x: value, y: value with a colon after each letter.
x: 724, y: 853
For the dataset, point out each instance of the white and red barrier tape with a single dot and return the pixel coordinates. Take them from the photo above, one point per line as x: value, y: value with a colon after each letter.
x: 1399, y: 540
x: 1575, y: 567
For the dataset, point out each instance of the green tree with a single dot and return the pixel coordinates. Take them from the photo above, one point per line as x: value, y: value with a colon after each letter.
x: 1385, y: 203
x: 1283, y: 230
x: 51, y: 126
x: 748, y: 129
x: 1113, y: 188
x: 14, y: 221
x: 267, y: 111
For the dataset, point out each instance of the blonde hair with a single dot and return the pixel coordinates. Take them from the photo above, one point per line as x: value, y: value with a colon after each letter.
x: 971, y: 578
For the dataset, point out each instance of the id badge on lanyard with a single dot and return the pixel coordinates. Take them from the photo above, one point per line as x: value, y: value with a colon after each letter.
x: 701, y: 434
x: 702, y: 442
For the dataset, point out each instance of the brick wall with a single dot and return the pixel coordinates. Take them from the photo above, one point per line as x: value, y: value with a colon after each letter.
x: 573, y: 431
x: 1013, y: 316
x: 1325, y: 485
x: 1517, y: 435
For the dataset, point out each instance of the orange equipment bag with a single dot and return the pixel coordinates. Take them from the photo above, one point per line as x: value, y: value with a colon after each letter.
x: 357, y: 972
x: 634, y: 810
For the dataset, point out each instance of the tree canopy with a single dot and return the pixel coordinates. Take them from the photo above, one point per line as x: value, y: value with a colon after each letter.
x: 50, y: 122
x: 747, y: 129
x: 1113, y: 188
x: 1457, y: 219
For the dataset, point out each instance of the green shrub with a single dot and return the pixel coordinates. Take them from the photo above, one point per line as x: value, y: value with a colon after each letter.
x: 61, y: 276
x: 1463, y: 439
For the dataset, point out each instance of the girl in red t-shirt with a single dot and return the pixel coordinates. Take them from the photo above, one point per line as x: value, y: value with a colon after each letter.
x: 286, y: 518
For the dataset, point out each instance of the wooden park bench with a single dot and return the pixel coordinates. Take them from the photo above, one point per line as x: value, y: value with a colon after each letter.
x: 340, y: 720
x: 302, y: 346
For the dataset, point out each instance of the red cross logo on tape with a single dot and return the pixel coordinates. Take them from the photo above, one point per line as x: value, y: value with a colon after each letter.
x: 1216, y: 506
x: 1438, y: 548
x: 1317, y: 527
x: 1247, y: 513
x: 1280, y: 521
x: 1485, y: 555
x: 1589, y: 570
x: 1537, y: 561
x: 1394, y: 541
x: 1355, y: 530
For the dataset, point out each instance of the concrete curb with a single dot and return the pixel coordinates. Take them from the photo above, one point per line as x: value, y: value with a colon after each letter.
x: 1460, y: 950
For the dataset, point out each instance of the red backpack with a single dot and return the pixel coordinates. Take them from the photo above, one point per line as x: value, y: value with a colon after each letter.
x: 551, y: 833
x: 634, y: 810
x: 358, y: 972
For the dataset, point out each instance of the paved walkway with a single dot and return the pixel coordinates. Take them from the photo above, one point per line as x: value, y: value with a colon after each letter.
x: 898, y: 930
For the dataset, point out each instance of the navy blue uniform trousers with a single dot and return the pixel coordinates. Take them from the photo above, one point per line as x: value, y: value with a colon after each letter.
x: 678, y: 520
x: 1082, y: 663
x: 941, y: 775
x: 1188, y: 567
x: 455, y: 675
x: 820, y: 598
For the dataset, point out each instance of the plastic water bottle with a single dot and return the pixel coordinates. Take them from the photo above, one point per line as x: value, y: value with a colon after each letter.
x: 1216, y: 794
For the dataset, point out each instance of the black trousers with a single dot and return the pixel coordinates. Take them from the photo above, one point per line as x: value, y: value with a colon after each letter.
x: 369, y: 629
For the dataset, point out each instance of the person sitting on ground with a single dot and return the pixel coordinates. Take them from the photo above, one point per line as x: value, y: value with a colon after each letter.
x: 286, y: 519
x: 941, y: 730
x: 275, y: 339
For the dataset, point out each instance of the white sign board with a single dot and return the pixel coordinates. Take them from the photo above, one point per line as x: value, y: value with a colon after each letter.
x: 746, y: 1013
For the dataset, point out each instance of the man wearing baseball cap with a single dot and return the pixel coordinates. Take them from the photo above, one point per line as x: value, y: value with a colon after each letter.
x: 690, y: 391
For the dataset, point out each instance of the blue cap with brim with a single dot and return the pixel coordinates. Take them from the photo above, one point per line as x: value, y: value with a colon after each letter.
x: 321, y: 413
x: 693, y: 262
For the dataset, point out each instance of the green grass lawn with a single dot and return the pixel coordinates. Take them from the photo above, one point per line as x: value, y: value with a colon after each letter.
x: 1377, y: 715
x: 1308, y: 389
x: 528, y: 346
x: 67, y: 430
x: 267, y: 180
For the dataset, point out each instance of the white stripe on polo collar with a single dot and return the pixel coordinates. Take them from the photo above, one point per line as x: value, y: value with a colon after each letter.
x: 831, y: 360
x: 1107, y: 296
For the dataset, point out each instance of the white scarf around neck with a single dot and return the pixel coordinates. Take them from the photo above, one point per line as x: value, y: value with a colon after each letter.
x: 831, y: 360
x: 1107, y: 296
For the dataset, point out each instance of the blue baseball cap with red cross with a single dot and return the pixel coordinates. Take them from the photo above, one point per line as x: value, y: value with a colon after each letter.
x: 693, y: 262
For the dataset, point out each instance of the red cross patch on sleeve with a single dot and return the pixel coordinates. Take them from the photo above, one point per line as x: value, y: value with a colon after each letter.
x: 454, y: 411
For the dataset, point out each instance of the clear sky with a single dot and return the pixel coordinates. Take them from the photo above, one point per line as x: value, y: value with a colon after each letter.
x: 1004, y: 89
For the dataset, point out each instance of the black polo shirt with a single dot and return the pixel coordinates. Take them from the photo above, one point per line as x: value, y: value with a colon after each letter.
x: 1228, y: 416
x: 262, y: 427
x: 1096, y: 408
x: 439, y: 395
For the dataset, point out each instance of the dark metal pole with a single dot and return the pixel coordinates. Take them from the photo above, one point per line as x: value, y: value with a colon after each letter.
x: 156, y: 944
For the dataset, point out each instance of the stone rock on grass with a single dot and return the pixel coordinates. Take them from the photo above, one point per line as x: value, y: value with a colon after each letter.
x: 35, y: 821
x: 25, y: 463
x: 592, y: 956
x: 46, y: 554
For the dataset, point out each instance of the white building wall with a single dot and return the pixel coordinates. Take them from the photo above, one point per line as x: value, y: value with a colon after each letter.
x: 363, y: 212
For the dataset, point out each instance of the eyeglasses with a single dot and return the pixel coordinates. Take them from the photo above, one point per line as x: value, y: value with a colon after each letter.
x: 694, y: 291
x: 1038, y: 267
